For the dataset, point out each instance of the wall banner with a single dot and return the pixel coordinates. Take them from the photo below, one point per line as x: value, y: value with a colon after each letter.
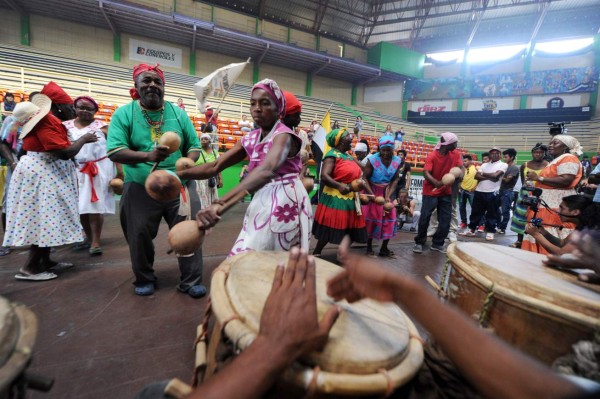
x: 431, y: 106
x: 490, y: 104
x: 153, y: 53
x: 554, y: 102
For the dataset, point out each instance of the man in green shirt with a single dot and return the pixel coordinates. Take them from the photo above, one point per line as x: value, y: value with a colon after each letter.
x: 133, y: 140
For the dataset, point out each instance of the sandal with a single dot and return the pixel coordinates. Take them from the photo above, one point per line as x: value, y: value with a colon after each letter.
x: 4, y: 251
x: 81, y: 246
x: 43, y: 276
x: 387, y: 254
x: 96, y: 251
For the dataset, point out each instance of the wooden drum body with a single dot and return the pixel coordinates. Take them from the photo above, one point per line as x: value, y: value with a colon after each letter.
x: 539, y: 310
x: 373, y: 347
x: 18, y: 329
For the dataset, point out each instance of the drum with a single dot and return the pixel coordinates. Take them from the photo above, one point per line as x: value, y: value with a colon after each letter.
x: 18, y: 329
x: 537, y: 309
x: 373, y: 348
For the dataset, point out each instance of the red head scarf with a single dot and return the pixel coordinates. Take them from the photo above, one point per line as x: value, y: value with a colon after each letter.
x: 144, y: 68
x: 56, y: 94
x: 292, y: 104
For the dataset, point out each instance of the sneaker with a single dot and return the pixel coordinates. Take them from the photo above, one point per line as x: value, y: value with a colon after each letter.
x: 489, y: 237
x: 144, y: 290
x: 501, y: 231
x: 439, y: 248
x: 481, y: 229
x: 418, y: 249
x: 463, y: 225
x: 467, y: 233
x: 452, y: 237
x: 197, y: 291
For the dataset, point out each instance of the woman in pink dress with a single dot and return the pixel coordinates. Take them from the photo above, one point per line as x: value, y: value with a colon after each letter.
x: 279, y: 216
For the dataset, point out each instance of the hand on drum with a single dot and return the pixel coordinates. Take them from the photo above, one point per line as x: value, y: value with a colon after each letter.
x: 289, y: 319
x: 362, y: 278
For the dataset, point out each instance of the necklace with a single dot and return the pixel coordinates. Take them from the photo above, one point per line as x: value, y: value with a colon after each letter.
x: 155, y: 126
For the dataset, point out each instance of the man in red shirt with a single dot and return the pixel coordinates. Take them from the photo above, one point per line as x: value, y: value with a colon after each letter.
x: 435, y: 194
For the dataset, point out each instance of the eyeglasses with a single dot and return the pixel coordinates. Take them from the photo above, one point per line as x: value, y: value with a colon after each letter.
x: 86, y: 108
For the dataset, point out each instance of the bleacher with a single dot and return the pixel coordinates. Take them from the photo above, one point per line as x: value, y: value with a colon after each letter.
x: 30, y: 69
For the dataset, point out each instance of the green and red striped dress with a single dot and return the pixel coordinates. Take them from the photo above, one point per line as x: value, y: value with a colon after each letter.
x: 336, y: 214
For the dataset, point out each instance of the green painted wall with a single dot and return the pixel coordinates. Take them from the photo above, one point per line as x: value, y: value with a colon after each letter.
x: 25, y: 31
x: 397, y: 59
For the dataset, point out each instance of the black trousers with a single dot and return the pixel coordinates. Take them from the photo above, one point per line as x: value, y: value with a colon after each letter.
x: 140, y: 220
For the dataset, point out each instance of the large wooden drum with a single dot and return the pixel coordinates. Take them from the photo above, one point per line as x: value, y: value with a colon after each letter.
x: 537, y: 309
x: 373, y: 347
x: 18, y: 329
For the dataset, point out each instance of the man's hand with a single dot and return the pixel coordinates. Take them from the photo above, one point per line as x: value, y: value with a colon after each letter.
x: 160, y: 153
x: 362, y: 278
x: 585, y: 254
x: 532, y: 176
x: 208, y: 217
x: 289, y: 319
x: 533, y: 230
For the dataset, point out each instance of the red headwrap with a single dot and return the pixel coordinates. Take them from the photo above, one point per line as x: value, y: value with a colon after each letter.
x: 56, y: 94
x: 292, y: 104
x: 144, y: 68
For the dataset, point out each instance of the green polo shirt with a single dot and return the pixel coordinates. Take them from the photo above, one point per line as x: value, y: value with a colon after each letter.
x: 129, y: 130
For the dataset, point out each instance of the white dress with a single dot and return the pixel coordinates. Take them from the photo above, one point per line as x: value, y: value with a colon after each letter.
x: 90, y: 180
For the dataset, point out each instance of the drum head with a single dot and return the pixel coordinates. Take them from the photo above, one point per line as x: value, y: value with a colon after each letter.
x: 367, y: 336
x: 522, y: 274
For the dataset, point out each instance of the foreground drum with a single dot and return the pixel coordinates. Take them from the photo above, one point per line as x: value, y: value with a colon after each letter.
x: 373, y: 347
x: 537, y: 309
x: 18, y: 329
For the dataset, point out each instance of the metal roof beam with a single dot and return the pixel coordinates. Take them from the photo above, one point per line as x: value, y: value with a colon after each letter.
x: 419, y: 21
x: 108, y: 21
x: 321, y: 11
x: 369, y: 80
x: 540, y: 20
x: 263, y: 54
x: 377, y: 5
x: 319, y: 69
x: 478, y: 18
x: 453, y: 13
x: 262, y: 5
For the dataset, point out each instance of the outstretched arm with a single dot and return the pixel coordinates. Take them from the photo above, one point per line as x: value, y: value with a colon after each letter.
x: 289, y: 328
x: 495, y: 369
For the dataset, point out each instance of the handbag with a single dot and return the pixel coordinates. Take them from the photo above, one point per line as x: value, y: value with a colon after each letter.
x: 212, y: 181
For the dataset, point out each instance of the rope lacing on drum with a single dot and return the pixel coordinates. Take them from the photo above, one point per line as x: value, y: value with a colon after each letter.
x: 486, y: 307
x: 314, y: 383
x: 222, y: 271
x: 207, y: 313
x: 390, y: 386
x: 418, y: 338
x: 443, y: 286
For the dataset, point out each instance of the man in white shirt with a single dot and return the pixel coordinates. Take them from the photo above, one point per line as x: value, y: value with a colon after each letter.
x: 484, y: 201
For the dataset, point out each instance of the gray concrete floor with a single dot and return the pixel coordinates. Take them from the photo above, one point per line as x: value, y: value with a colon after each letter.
x: 98, y: 340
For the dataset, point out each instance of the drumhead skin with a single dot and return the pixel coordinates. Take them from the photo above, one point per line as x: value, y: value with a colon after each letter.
x: 367, y: 337
x: 537, y: 309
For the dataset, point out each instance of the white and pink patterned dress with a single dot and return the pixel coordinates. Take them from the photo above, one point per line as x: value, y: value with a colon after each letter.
x: 280, y: 215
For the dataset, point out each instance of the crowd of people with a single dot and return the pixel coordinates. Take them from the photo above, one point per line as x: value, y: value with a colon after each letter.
x: 62, y: 159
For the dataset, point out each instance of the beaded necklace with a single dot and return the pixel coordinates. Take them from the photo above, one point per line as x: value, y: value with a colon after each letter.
x: 155, y: 127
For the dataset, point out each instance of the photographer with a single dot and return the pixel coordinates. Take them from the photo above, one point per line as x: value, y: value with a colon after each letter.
x: 557, y: 180
x: 577, y: 209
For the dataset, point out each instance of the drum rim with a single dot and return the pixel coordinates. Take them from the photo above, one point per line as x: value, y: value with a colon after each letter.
x: 529, y: 302
x: 328, y: 382
x: 23, y: 351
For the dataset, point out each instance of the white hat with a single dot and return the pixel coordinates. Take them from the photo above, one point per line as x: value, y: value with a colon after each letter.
x: 360, y: 147
x: 28, y: 114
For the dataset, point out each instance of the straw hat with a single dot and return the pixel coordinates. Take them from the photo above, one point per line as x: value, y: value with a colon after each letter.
x: 28, y: 114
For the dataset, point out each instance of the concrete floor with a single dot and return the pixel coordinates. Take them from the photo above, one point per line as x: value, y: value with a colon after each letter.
x: 98, y: 340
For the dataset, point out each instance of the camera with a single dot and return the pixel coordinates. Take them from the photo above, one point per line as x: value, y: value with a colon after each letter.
x: 532, y: 200
x: 557, y: 128
x: 536, y: 222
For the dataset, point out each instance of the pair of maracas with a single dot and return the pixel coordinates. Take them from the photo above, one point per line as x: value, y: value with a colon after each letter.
x: 449, y: 178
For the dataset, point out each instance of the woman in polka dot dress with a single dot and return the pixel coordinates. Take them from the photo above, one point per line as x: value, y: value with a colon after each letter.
x: 43, y: 193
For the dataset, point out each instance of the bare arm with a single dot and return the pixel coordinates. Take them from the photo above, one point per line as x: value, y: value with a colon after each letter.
x: 489, y: 176
x: 553, y: 245
x: 73, y: 149
x: 594, y: 179
x: 6, y: 153
x: 289, y: 328
x: 326, y: 170
x: 429, y: 177
x: 558, y: 181
x: 495, y: 369
x: 407, y: 185
x: 131, y: 157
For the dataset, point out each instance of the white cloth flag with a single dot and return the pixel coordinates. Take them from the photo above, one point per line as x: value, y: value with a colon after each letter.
x: 218, y: 83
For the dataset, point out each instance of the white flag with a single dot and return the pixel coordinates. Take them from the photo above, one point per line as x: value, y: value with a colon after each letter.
x: 218, y: 83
